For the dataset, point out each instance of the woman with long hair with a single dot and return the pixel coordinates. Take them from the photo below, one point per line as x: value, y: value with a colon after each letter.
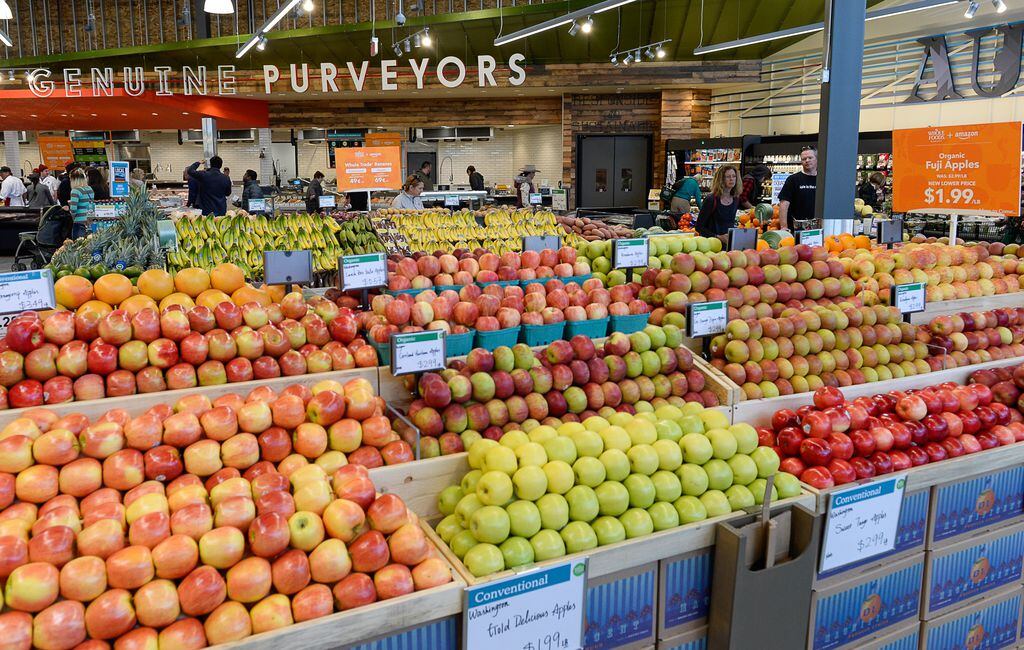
x: 82, y: 205
x: 718, y: 211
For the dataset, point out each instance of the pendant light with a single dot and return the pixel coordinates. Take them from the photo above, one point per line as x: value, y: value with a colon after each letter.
x: 218, y: 7
x: 5, y: 11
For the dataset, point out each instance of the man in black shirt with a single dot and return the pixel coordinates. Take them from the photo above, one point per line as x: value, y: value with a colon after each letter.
x: 214, y: 186
x: 476, y: 179
x: 796, y: 200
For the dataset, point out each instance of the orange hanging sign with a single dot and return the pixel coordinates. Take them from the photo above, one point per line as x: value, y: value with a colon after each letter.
x: 55, y: 151
x: 968, y: 169
x: 369, y: 168
x: 386, y: 139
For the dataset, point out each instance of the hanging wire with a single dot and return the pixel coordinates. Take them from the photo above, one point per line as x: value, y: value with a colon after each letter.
x: 701, y: 24
x: 501, y: 19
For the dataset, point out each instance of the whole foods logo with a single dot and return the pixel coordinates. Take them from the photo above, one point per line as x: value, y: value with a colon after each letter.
x: 870, y: 608
x: 981, y: 568
x: 936, y: 135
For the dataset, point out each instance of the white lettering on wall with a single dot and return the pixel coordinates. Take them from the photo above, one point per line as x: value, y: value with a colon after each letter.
x: 194, y: 80
x: 134, y: 81
x: 328, y: 76
x: 388, y: 74
x: 300, y: 81
x: 226, y: 79
x: 448, y: 61
x: 419, y: 69
x: 39, y: 82
x: 103, y: 81
x: 485, y: 65
x: 73, y: 82
x: 271, y: 74
x: 358, y: 79
x: 163, y: 85
x: 513, y: 65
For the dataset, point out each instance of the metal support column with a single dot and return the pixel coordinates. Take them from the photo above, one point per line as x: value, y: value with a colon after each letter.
x: 839, y: 126
x: 210, y: 138
x: 12, y: 152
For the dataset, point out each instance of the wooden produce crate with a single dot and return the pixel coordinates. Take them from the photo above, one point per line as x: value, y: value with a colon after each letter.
x: 983, y: 303
x: 715, y: 380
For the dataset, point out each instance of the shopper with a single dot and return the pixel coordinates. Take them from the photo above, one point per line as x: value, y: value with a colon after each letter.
x: 227, y: 172
x: 192, y: 200
x: 99, y: 186
x: 250, y: 188
x: 313, y: 193
x: 82, y: 205
x: 409, y: 197
x: 718, y: 211
x: 214, y: 187
x: 423, y: 173
x: 358, y: 201
x: 137, y: 181
x: 476, y: 179
x: 12, y: 188
x: 872, y: 191
x: 525, y: 186
x: 64, y: 188
x: 37, y: 195
x: 796, y: 199
x: 753, y: 185
x: 687, y: 189
x: 47, y: 178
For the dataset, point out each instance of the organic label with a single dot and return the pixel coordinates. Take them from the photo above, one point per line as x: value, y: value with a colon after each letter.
x: 862, y: 522
x: 706, y: 318
x: 629, y: 253
x: 327, y: 201
x: 364, y: 271
x: 417, y: 352
x: 909, y: 298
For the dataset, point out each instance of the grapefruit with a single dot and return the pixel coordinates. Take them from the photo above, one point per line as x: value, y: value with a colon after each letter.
x: 212, y: 297
x: 250, y: 294
x: 177, y: 298
x: 137, y: 303
x: 191, y: 281
x: 227, y: 277
x: 156, y: 283
x: 72, y: 291
x: 113, y: 288
x: 100, y: 306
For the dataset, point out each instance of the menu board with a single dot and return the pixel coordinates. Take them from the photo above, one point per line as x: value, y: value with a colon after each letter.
x: 55, y: 151
x: 369, y: 168
x: 93, y: 152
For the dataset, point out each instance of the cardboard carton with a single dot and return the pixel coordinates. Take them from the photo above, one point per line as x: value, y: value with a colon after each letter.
x: 992, y: 623
x: 684, y: 592
x: 621, y: 608
x: 975, y: 504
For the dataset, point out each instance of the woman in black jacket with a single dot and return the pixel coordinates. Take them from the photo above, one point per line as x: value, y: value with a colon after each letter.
x: 99, y: 186
x: 718, y: 210
x: 872, y: 191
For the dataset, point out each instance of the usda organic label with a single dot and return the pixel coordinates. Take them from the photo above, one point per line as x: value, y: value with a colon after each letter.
x: 535, y: 610
x: 366, y: 271
x: 909, y: 298
x: 811, y: 237
x: 861, y: 522
x: 706, y: 318
x: 629, y: 253
x: 417, y: 352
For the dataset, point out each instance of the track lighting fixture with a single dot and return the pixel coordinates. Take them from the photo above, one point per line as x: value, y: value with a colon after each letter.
x: 587, y: 26
x: 574, y: 28
x: 999, y: 5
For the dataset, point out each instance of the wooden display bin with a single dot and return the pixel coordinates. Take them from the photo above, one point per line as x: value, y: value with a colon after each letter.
x: 982, y: 303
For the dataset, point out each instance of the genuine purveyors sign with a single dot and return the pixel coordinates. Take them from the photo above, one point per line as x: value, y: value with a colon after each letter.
x: 327, y: 77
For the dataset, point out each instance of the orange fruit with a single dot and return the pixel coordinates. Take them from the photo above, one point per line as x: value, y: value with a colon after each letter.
x: 177, y: 298
x: 72, y: 291
x: 113, y: 288
x: 137, y: 303
x: 212, y: 297
x: 191, y: 281
x: 787, y: 241
x: 156, y: 283
x: 97, y: 306
x: 227, y: 277
x: 250, y: 294
x: 275, y: 291
x: 862, y: 241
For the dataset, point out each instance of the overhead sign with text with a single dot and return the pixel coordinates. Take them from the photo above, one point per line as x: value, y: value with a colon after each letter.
x: 969, y: 169
x: 369, y: 168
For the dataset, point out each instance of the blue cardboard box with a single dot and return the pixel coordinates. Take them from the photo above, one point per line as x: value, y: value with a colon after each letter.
x: 968, y: 571
x: 975, y: 503
x: 693, y: 640
x: 990, y: 624
x: 684, y: 592
x: 443, y: 634
x: 621, y: 608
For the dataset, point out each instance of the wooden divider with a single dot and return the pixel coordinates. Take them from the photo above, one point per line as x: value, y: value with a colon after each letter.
x: 982, y: 303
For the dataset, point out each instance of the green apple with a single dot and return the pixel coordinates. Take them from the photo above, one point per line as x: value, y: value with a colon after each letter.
x: 448, y: 499
x: 448, y: 527
x: 531, y: 482
x: 696, y: 448
x: 531, y: 453
x: 542, y: 434
x: 554, y: 511
x: 524, y: 518
x: 739, y: 497
x: 647, y: 413
x: 767, y: 461
x: 613, y: 498
x: 746, y: 437
x: 636, y: 523
x: 690, y: 509
x: 716, y: 503
x: 477, y: 451
x: 583, y: 503
x: 668, y: 430
x: 616, y: 438
x: 589, y: 471
x: 641, y: 431
x: 578, y: 536
x: 470, y: 438
x: 757, y: 489
x: 495, y: 488
x: 643, y: 459
x: 691, y: 424
x: 560, y: 448
x: 513, y: 439
x: 616, y: 464
x: 466, y: 507
x: 484, y: 559
x: 693, y: 479
x: 787, y: 485
x: 641, y: 490
x: 461, y: 543
x: 569, y: 428
x: 663, y: 515
x: 469, y: 481
x: 714, y: 419
x: 490, y: 525
x: 596, y: 423
x: 588, y: 443
x: 670, y: 454
x: 668, y: 412
x: 501, y: 459
x: 547, y: 545
x: 609, y: 530
x: 516, y: 551
x: 560, y: 476
x: 719, y: 474
x: 620, y: 419
x: 744, y: 469
x: 723, y: 443
x: 667, y: 486
x: 692, y: 408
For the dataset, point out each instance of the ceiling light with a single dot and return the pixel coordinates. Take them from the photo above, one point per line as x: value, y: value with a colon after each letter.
x: 398, y: 49
x: 999, y: 5
x: 604, y: 5
x: 5, y: 39
x: 427, y: 41
x: 408, y: 46
x: 649, y: 53
x: 10, y: 75
x: 5, y: 11
x: 278, y: 16
x: 660, y: 52
x: 574, y: 28
x: 972, y: 8
x: 307, y: 6
x: 218, y: 7
x: 417, y: 41
x: 628, y: 59
x: 588, y: 25
x: 261, y: 44
x: 615, y: 58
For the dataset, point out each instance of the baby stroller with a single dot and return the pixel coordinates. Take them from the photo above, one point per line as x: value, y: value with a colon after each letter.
x: 35, y: 248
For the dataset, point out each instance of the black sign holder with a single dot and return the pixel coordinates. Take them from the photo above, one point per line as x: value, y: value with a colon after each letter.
x: 890, y: 232
x: 296, y: 268
x: 742, y: 239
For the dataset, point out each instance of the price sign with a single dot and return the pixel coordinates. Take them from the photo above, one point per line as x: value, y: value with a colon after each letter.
x: 26, y: 290
x: 778, y: 181
x: 811, y: 237
x: 417, y: 352
x: 535, y: 610
x: 451, y: 200
x: 861, y: 521
x: 559, y: 200
x: 119, y: 185
x: 259, y: 205
x: 328, y: 201
x: 363, y: 271
x: 287, y: 267
x: 541, y: 242
x: 890, y: 232
x: 706, y: 318
x: 536, y: 198
x: 741, y: 239
x: 909, y: 298
x: 629, y: 253
x: 106, y: 211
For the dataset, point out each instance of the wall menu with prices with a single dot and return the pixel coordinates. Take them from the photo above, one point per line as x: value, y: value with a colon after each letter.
x: 968, y: 169
x: 369, y: 168
x: 93, y: 152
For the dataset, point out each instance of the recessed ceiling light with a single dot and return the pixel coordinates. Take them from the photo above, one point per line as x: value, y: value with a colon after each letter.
x: 184, y: 112
x: 124, y: 114
x: 33, y: 115
x: 93, y: 114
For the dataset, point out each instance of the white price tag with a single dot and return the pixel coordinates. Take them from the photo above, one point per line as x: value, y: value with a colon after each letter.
x: 364, y: 271
x: 812, y: 237
x: 536, y: 198
x: 106, y: 211
x: 541, y: 242
x: 26, y: 290
x: 257, y: 205
x: 706, y: 318
x: 862, y: 521
x: 909, y: 298
x: 328, y: 201
x: 451, y: 200
x: 417, y: 352
x: 778, y: 180
x: 5, y: 320
x: 536, y: 610
x: 629, y: 253
x: 559, y: 200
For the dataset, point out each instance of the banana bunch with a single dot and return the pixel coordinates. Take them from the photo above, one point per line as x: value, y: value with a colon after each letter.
x: 502, y: 231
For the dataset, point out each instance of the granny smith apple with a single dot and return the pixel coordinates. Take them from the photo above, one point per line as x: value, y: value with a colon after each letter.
x: 641, y: 430
x: 531, y: 482
x: 596, y: 423
x: 670, y: 454
x: 616, y: 464
x: 719, y: 474
x: 643, y: 459
x: 588, y: 443
x: 466, y: 507
x: 767, y: 461
x: 542, y: 434
x: 696, y: 448
x: 578, y: 536
x: 714, y: 419
x: 495, y: 488
x: 620, y: 419
x: 448, y: 499
x: 663, y: 515
x: 477, y: 451
x: 554, y: 511
x: 583, y: 503
x: 470, y: 438
x: 612, y: 497
x: 484, y: 559
x: 560, y: 476
x: 723, y: 443
x: 668, y: 412
x: 667, y: 486
x: 513, y: 439
x: 469, y: 481
x: 516, y: 551
x: 589, y: 471
x: 668, y: 430
x: 560, y: 448
x: 490, y: 525
x: 531, y: 453
x: 690, y: 509
x: 716, y: 503
x: 523, y: 518
x: 744, y: 469
x: 501, y: 459
x: 787, y: 485
x: 691, y: 424
x: 693, y: 479
x: 547, y: 545
x: 636, y: 523
x: 641, y: 490
x: 569, y: 428
x: 757, y: 489
x: 609, y: 530
x: 746, y: 437
x: 739, y: 497
x: 461, y: 543
x: 448, y: 527
x: 616, y: 438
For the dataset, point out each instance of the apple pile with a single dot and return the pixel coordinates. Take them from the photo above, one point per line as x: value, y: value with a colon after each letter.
x: 176, y: 527
x: 977, y: 337
x: 73, y: 356
x: 1006, y: 383
x: 835, y: 441
x: 661, y: 250
x: 801, y: 351
x: 464, y: 267
x: 545, y: 491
